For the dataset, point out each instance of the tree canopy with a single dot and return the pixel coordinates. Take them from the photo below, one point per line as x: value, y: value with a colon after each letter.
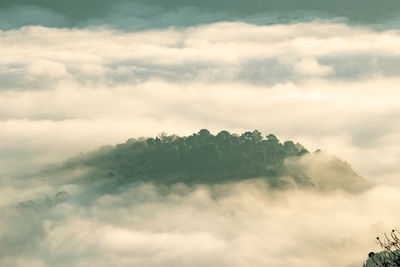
x: 198, y: 158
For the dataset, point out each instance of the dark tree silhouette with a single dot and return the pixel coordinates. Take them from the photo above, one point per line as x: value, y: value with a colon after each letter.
x: 200, y: 158
x: 390, y: 256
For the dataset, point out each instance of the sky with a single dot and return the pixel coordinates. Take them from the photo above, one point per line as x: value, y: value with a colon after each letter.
x: 77, y: 75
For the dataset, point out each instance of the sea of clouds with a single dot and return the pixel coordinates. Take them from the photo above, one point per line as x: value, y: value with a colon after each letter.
x: 324, y: 84
x: 234, y: 224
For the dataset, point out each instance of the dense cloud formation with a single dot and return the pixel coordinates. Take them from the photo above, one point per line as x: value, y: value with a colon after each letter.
x: 103, y: 71
x: 326, y: 85
x: 235, y: 224
x: 74, y: 215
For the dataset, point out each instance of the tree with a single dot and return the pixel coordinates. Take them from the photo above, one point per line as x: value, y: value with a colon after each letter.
x: 390, y: 256
x: 253, y: 137
x: 201, y: 156
x: 273, y: 139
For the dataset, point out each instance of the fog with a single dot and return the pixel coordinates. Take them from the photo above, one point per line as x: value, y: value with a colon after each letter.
x: 56, y: 218
x: 83, y: 80
x: 325, y: 85
x: 234, y: 224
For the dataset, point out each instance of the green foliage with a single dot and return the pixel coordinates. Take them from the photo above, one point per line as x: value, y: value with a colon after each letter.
x: 198, y: 158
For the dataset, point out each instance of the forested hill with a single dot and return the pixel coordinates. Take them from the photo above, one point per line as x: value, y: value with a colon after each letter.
x: 206, y: 158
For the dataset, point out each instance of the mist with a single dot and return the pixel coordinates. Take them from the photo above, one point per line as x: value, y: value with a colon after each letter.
x: 70, y: 214
x: 79, y: 79
x: 326, y: 85
x: 233, y: 224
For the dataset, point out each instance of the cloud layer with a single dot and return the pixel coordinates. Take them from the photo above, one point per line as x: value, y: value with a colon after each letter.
x: 63, y: 91
x: 237, y: 224
x: 325, y: 85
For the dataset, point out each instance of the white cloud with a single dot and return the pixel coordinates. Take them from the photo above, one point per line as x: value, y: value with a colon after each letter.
x: 327, y: 85
x: 237, y: 224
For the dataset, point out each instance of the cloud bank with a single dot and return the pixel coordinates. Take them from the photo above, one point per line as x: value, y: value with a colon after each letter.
x: 326, y: 85
x: 66, y: 90
x: 235, y: 224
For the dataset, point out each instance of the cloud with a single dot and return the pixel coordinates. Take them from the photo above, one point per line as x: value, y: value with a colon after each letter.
x: 326, y: 172
x: 234, y: 224
x: 254, y: 53
x: 309, y: 66
x: 323, y: 83
x: 70, y: 90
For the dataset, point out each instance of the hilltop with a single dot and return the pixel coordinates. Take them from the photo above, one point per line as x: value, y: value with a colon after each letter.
x: 204, y: 158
